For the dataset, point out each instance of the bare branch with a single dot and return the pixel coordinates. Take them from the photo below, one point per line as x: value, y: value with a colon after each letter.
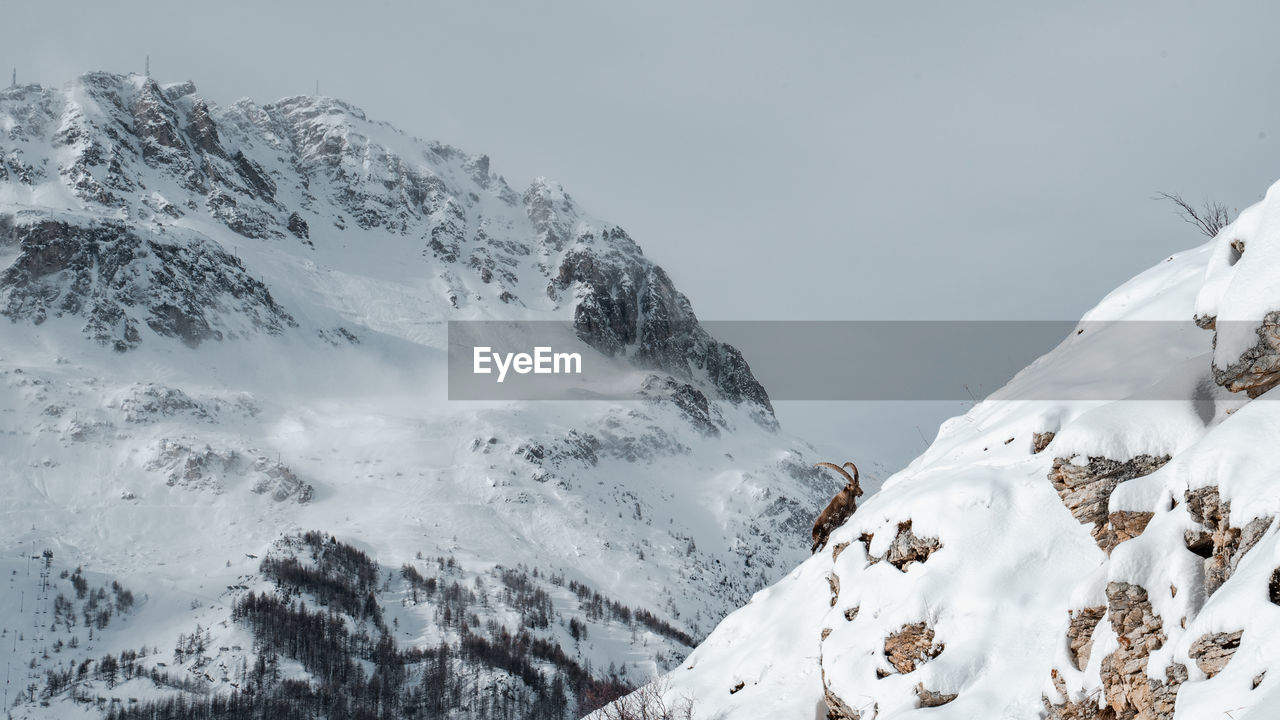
x: 1209, y: 219
x: 648, y: 702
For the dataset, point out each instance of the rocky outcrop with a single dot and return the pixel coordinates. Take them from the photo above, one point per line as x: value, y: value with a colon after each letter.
x: 242, y: 218
x: 626, y: 306
x: 1080, y: 627
x: 837, y: 708
x: 107, y: 274
x: 158, y: 129
x: 1040, y: 441
x: 1086, y: 491
x: 1124, y: 525
x: 201, y: 128
x: 1215, y: 539
x: 1130, y: 689
x: 911, y: 647
x: 1069, y: 708
x: 203, y: 467
x: 299, y: 227
x: 200, y: 468
x: 1213, y: 651
x: 1257, y: 370
x: 905, y: 549
x: 152, y: 402
x: 692, y: 402
x: 277, y: 480
x: 931, y: 698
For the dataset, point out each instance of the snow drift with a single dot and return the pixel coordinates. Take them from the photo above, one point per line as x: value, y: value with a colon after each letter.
x: 1104, y: 559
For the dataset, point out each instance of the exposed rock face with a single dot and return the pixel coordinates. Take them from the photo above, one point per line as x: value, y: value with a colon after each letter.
x: 115, y: 280
x: 1040, y: 441
x: 691, y: 401
x: 1086, y: 708
x: 930, y: 698
x: 202, y: 130
x: 212, y: 469
x: 1129, y: 690
x: 156, y: 125
x: 906, y: 547
x: 1258, y: 368
x: 192, y: 467
x: 1086, y: 490
x: 298, y: 226
x: 278, y: 481
x: 839, y: 548
x: 152, y: 402
x: 1080, y: 633
x: 628, y: 306
x: 1221, y: 545
x: 616, y: 436
x: 1124, y: 525
x: 911, y: 647
x: 1213, y: 651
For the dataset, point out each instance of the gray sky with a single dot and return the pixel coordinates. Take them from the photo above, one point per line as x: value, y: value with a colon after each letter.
x: 821, y: 160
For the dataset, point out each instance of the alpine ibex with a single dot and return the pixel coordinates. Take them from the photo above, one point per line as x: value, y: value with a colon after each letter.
x: 840, y: 507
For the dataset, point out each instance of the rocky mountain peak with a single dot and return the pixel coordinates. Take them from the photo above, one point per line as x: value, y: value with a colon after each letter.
x: 310, y: 173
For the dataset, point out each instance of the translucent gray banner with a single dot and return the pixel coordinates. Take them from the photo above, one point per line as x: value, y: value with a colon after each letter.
x: 853, y: 360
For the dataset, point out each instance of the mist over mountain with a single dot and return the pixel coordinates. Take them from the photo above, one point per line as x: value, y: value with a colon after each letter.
x: 235, y: 485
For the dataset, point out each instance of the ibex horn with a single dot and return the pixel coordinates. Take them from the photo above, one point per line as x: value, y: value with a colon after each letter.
x: 839, y: 469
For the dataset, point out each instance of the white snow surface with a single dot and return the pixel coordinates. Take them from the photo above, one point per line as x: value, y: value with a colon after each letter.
x: 1013, y: 561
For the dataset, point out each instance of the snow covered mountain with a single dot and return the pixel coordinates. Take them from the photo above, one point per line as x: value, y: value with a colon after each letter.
x: 1112, y: 558
x: 222, y: 388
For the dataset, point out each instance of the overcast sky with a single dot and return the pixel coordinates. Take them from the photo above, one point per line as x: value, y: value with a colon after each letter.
x: 782, y: 160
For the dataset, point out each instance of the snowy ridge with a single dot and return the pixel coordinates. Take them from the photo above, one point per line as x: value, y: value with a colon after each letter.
x: 1069, y: 560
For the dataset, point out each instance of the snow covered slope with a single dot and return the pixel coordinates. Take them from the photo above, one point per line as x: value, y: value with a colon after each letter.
x: 1105, y: 558
x: 227, y: 329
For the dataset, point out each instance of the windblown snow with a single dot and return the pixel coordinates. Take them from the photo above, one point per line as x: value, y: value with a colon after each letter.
x: 226, y: 330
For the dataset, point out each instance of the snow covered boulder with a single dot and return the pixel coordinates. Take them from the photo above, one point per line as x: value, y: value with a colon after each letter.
x: 1240, y: 300
x: 1086, y: 490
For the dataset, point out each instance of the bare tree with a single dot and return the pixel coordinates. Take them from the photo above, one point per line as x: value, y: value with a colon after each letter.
x: 648, y: 702
x: 1209, y: 218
